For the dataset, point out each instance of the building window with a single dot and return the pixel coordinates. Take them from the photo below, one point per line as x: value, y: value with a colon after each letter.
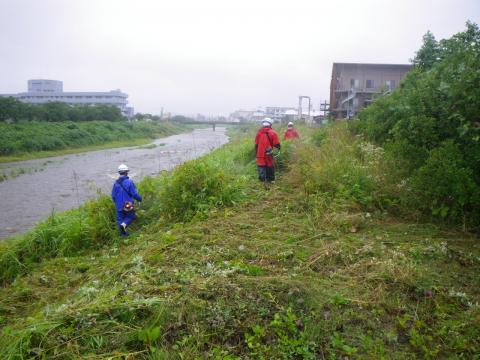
x: 370, y: 84
x: 354, y: 83
x: 390, y: 84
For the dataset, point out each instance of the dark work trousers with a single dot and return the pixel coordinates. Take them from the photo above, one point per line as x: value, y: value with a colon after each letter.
x: 266, y: 173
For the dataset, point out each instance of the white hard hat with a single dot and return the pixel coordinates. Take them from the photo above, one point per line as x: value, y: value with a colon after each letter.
x: 267, y: 122
x: 122, y: 168
x: 290, y: 123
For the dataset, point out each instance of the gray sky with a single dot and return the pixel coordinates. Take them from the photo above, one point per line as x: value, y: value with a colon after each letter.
x: 212, y: 56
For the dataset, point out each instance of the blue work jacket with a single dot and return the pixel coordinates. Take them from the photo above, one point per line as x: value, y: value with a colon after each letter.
x: 120, y: 196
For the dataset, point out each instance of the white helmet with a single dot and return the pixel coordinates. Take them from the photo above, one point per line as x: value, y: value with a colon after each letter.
x: 266, y: 122
x: 122, y: 168
x: 290, y: 124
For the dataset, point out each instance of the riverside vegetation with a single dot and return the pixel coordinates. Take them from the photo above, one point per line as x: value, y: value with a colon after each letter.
x: 55, y: 128
x: 337, y: 260
x: 219, y: 268
x: 430, y: 126
x: 38, y: 139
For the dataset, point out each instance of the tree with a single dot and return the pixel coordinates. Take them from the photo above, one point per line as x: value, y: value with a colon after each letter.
x: 10, y: 109
x: 428, y: 54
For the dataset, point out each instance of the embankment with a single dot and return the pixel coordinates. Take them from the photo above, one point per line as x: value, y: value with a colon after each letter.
x: 27, y: 140
x: 323, y: 264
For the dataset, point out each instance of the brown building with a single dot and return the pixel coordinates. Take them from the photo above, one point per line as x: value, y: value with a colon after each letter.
x: 353, y: 85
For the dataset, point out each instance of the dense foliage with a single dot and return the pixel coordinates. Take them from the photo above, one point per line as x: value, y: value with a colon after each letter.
x: 430, y: 126
x: 41, y: 136
x: 12, y: 109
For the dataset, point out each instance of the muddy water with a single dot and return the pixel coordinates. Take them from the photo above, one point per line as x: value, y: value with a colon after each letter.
x: 35, y: 188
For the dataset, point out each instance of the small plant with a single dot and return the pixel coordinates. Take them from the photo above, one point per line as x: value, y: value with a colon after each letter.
x: 338, y: 343
x: 284, y: 336
x: 149, y: 336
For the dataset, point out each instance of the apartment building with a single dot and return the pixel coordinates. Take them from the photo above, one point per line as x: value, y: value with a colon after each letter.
x: 353, y: 85
x: 41, y: 91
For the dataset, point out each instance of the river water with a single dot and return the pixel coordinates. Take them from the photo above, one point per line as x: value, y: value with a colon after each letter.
x: 35, y: 188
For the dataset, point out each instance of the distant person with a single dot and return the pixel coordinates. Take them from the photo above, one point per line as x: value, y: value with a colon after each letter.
x: 123, y: 194
x: 265, y: 141
x: 290, y: 133
x: 213, y: 125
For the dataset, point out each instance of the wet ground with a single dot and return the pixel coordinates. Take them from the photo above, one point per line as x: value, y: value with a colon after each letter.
x: 35, y: 188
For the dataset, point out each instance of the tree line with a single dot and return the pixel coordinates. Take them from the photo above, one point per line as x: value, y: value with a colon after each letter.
x: 14, y: 110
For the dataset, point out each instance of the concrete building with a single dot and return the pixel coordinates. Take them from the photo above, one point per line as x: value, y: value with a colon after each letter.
x: 41, y: 91
x: 277, y: 113
x: 353, y: 86
x: 241, y: 116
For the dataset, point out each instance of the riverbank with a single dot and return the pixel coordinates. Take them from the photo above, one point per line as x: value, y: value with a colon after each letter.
x: 78, y: 150
x: 68, y: 181
x: 218, y: 267
x: 34, y: 140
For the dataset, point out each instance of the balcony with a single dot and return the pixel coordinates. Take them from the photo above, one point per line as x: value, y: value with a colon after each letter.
x: 359, y: 90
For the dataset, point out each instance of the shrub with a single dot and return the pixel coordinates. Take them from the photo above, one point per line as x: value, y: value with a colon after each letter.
x: 445, y: 184
x: 430, y: 126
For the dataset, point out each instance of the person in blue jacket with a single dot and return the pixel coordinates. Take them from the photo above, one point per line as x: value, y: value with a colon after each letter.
x: 123, y: 194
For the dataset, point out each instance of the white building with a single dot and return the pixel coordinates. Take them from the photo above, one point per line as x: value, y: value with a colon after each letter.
x: 241, y: 116
x: 41, y: 91
x: 277, y: 113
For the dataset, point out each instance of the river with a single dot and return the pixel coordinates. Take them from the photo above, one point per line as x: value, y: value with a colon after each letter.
x: 35, y: 188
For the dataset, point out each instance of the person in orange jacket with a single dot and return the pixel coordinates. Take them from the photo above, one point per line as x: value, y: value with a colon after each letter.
x: 290, y: 133
x: 265, y: 141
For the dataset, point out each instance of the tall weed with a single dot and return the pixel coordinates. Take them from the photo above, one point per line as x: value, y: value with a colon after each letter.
x: 197, y: 187
x: 343, y: 167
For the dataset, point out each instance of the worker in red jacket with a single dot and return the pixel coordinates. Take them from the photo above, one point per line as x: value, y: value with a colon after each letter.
x: 290, y: 133
x: 265, y: 141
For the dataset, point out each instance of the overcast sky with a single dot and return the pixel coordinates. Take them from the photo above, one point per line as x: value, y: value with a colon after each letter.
x: 212, y: 56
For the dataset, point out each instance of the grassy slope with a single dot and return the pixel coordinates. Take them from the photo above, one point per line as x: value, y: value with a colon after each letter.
x: 263, y: 279
x: 76, y: 150
x: 135, y: 139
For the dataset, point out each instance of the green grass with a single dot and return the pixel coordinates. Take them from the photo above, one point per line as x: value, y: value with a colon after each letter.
x: 24, y: 141
x: 305, y: 270
x: 75, y: 150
